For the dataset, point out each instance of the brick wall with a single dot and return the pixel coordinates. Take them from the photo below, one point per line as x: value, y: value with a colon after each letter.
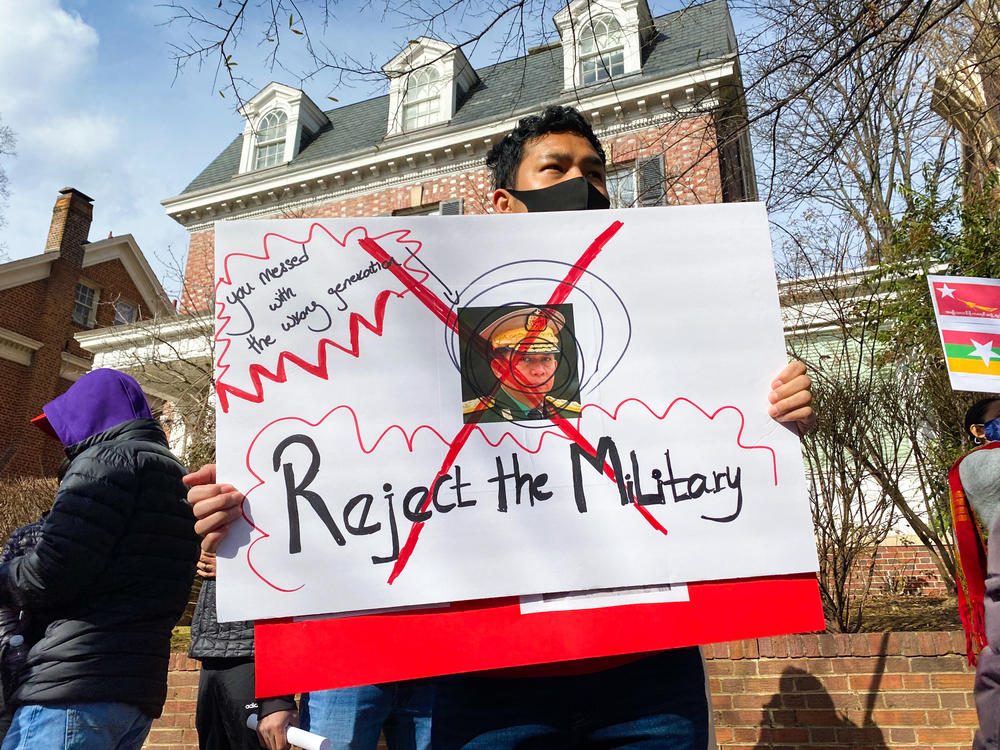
x: 902, y: 569
x: 175, y: 728
x: 885, y: 691
x: 868, y: 690
x: 43, y: 310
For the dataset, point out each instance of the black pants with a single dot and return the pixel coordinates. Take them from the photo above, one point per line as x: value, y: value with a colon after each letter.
x: 224, y: 688
x: 6, y: 717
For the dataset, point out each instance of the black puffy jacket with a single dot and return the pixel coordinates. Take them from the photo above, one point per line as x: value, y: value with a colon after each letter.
x: 211, y: 639
x: 110, y: 575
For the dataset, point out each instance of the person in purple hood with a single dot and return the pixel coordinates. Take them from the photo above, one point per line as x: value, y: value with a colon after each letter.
x: 109, y: 577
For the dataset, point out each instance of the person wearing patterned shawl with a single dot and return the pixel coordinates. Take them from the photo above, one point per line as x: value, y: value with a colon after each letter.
x: 974, y: 481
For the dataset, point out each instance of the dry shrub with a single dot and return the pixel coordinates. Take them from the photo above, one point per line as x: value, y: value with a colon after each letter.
x: 23, y: 501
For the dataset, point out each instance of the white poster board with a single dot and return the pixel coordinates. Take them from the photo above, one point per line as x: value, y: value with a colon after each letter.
x: 348, y: 352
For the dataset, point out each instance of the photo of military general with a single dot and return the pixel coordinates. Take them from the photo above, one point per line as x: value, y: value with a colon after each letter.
x: 519, y: 363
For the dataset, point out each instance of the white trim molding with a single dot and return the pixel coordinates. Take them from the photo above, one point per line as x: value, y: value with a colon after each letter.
x: 125, y: 249
x: 72, y: 367
x: 455, y: 74
x: 17, y: 348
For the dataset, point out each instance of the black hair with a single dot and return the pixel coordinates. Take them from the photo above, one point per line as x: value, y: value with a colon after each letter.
x: 977, y: 411
x: 505, y: 157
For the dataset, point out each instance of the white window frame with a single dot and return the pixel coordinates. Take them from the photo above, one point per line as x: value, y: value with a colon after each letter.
x: 621, y: 186
x: 422, y: 99
x: 84, y: 312
x: 636, y: 30
x: 271, y: 136
x: 640, y: 183
x: 124, y: 320
x: 606, y: 60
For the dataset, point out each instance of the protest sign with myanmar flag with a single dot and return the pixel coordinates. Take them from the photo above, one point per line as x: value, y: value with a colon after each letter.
x: 967, y: 310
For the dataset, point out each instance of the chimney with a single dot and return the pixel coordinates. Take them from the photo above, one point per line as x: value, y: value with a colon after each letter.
x: 70, y: 226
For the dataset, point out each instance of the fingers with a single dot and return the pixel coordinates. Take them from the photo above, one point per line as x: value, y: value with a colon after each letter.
x: 204, y: 475
x: 787, y: 408
x: 210, y: 542
x: 206, y: 565
x: 272, y: 739
x: 211, y: 498
x: 205, y: 493
x: 272, y: 729
x: 216, y: 522
x: 791, y: 397
x: 215, y: 507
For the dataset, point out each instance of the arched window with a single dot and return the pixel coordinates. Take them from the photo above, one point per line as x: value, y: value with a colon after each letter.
x: 271, y: 139
x: 602, y: 51
x: 422, y: 101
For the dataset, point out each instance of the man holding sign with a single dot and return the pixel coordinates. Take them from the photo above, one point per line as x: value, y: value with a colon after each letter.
x: 554, y: 162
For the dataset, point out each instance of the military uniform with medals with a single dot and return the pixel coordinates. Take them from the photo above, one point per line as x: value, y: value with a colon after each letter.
x: 524, y: 331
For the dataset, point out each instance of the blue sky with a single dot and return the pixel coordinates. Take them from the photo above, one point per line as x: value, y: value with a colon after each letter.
x: 89, y: 88
x: 90, y: 92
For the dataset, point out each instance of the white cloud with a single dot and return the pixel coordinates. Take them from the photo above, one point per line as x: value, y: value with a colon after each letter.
x: 45, y: 49
x: 73, y: 139
x: 65, y: 134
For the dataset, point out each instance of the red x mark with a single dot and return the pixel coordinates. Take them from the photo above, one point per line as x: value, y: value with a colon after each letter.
x: 444, y: 314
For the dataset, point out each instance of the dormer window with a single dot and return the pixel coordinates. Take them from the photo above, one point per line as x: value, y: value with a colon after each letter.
x: 427, y: 80
x: 271, y: 133
x: 603, y: 39
x: 422, y: 101
x: 602, y: 51
x: 280, y: 122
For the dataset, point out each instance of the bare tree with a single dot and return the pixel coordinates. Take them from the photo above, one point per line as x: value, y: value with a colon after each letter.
x: 7, y: 143
x: 793, y: 49
x: 851, y: 514
x: 171, y: 356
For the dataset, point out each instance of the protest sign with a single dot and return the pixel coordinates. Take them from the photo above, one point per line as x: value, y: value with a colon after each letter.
x: 440, y: 409
x: 967, y: 310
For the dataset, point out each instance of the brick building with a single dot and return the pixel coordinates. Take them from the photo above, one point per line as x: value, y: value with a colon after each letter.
x: 664, y: 95
x: 45, y: 300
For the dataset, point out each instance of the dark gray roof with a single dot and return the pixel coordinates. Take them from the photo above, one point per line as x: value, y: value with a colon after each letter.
x: 685, y: 40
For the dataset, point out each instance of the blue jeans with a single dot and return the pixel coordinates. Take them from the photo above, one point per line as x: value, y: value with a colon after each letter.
x: 654, y: 703
x: 78, y: 726
x: 355, y: 717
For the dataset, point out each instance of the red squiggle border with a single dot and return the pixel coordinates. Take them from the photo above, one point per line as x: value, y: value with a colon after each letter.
x: 318, y: 368
x: 411, y: 436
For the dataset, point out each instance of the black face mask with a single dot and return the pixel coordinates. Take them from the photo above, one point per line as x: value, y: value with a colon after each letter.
x: 569, y: 195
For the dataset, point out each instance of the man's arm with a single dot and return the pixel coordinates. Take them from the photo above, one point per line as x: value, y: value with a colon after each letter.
x: 791, y: 397
x: 215, y: 506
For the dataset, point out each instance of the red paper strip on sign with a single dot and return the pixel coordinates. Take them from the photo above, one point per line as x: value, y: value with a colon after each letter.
x: 317, y: 654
